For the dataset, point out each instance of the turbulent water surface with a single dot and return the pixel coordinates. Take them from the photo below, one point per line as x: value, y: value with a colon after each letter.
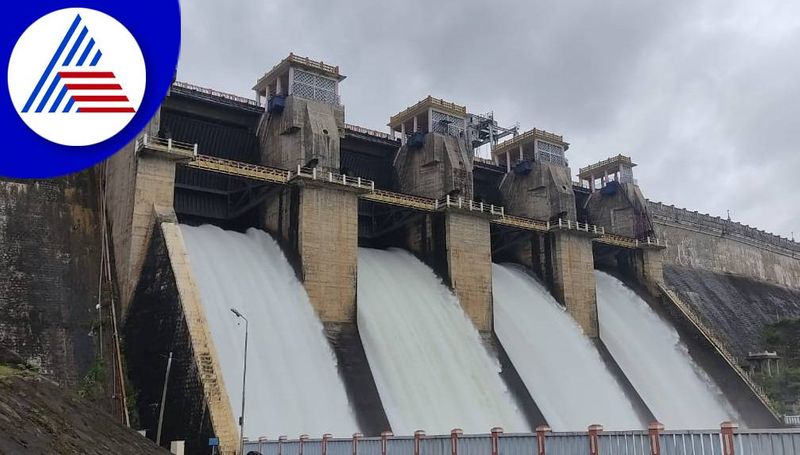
x: 430, y: 366
x: 560, y: 366
x: 648, y: 349
x: 293, y: 386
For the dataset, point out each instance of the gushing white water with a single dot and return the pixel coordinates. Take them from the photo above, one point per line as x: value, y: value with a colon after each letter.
x: 560, y: 366
x: 293, y: 386
x: 658, y: 364
x: 430, y: 366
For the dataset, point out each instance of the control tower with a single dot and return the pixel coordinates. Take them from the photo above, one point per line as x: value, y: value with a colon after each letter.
x: 616, y: 201
x: 537, y: 183
x: 304, y: 118
x: 435, y: 158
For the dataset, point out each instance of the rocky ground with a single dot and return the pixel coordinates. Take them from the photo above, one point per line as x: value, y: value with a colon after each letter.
x: 38, y: 417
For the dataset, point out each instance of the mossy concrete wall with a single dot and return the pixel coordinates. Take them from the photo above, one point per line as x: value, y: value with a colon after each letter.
x: 50, y: 252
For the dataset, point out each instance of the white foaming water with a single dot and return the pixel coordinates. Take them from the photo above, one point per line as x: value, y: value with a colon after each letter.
x: 560, y: 366
x: 293, y: 385
x: 430, y: 366
x: 649, y: 350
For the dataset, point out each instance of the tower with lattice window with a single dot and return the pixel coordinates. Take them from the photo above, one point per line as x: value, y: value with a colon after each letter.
x: 303, y: 119
x: 537, y: 183
x: 616, y: 202
x: 435, y: 158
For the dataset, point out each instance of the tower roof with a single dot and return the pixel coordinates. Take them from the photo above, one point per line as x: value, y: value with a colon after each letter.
x: 422, y: 106
x: 314, y: 66
x: 528, y: 137
x: 609, y: 165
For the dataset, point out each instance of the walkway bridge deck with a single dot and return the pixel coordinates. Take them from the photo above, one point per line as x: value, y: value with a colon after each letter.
x: 187, y: 155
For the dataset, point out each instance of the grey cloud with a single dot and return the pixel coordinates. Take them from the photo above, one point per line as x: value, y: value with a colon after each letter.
x: 702, y: 94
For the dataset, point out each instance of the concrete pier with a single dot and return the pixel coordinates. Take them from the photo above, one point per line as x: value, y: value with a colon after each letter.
x: 318, y: 224
x: 469, y: 265
x: 572, y: 263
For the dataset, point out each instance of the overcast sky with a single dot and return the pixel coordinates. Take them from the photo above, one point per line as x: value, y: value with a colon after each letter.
x: 703, y: 95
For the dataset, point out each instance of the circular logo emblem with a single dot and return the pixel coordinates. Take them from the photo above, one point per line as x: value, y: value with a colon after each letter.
x: 76, y: 77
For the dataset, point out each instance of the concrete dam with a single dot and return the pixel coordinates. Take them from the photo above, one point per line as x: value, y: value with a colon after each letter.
x: 389, y: 282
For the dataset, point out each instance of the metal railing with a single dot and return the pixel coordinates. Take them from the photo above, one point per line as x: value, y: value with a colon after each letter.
x: 331, y: 177
x: 453, y: 107
x: 480, y: 159
x: 792, y: 420
x: 401, y: 200
x: 169, y: 146
x: 369, y: 132
x: 619, y: 158
x: 215, y: 93
x: 240, y: 169
x: 370, y: 193
x: 469, y: 205
x: 525, y: 137
x: 647, y: 442
x: 719, y: 345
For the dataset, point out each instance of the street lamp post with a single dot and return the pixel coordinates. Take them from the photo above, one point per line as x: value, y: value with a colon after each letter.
x: 244, y: 381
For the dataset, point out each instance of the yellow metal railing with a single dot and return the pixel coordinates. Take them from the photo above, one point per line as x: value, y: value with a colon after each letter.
x: 370, y: 193
x: 237, y: 168
x: 168, y: 146
x: 719, y: 345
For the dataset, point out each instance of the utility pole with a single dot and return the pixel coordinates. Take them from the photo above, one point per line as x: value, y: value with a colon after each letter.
x: 244, y: 381
x: 163, y: 400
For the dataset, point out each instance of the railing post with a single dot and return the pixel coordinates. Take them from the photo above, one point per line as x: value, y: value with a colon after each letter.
x: 454, y: 435
x: 491, y: 207
x: 594, y: 430
x: 359, y: 182
x: 541, y: 438
x: 470, y: 205
x: 146, y: 140
x: 330, y: 177
x: 559, y: 223
x: 603, y: 228
x: 194, y: 153
x: 261, y: 441
x: 435, y: 204
x: 281, y: 440
x: 303, y: 439
x: 648, y: 240
x: 385, y: 435
x: 636, y: 242
x: 418, y: 435
x: 447, y: 199
x: 502, y: 211
x: 372, y: 185
x: 298, y: 169
x: 356, y: 436
x: 314, y: 173
x: 595, y: 228
x: 482, y: 208
x: 344, y: 179
x: 654, y: 431
x: 325, y: 438
x: 460, y: 202
x: 496, y: 432
x: 726, y: 431
x: 169, y: 144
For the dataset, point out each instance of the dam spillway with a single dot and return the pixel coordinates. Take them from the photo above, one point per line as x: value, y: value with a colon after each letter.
x: 559, y: 365
x: 430, y: 366
x: 656, y: 361
x: 293, y: 386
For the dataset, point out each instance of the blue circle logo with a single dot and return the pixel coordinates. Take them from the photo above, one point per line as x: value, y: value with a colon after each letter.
x: 83, y: 81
